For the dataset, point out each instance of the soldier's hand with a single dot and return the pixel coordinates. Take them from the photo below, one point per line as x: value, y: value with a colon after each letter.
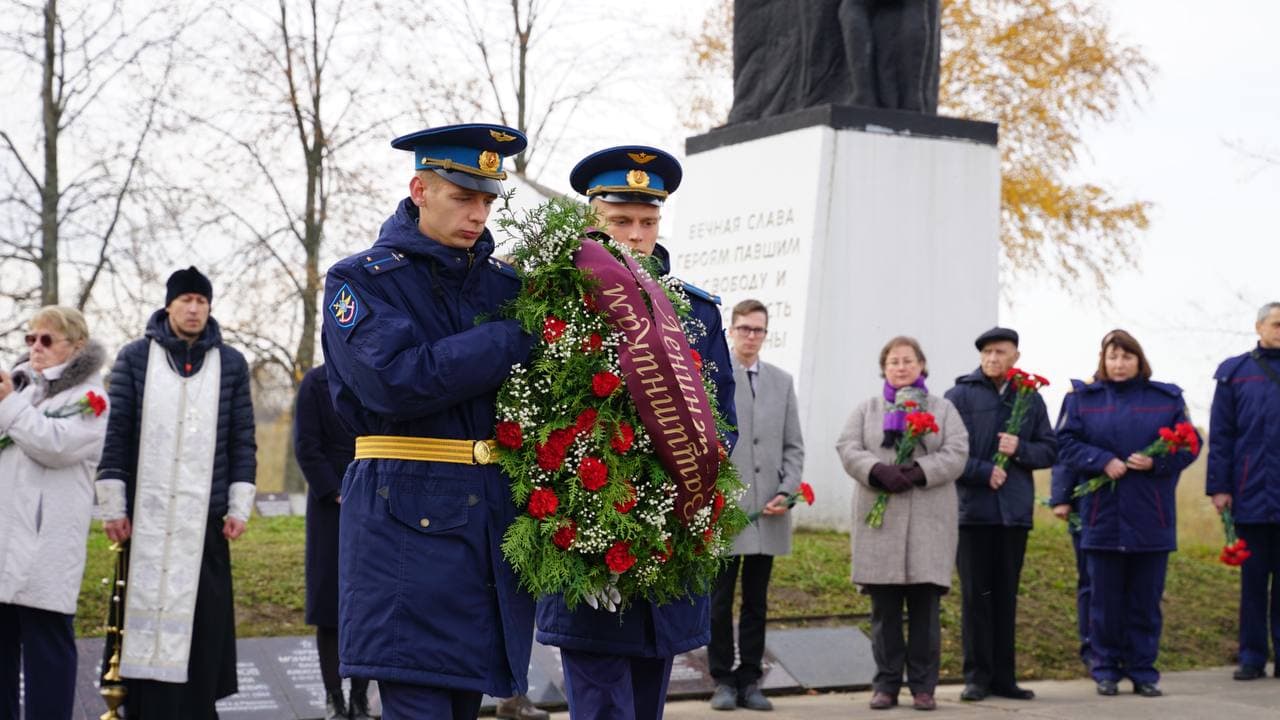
x: 233, y: 528
x: 607, y: 598
x: 117, y: 530
x: 1062, y: 512
x: 1138, y: 461
x: 1008, y: 444
x: 1221, y: 501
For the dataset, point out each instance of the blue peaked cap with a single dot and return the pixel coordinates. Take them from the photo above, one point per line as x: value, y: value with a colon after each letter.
x: 467, y: 155
x: 628, y: 173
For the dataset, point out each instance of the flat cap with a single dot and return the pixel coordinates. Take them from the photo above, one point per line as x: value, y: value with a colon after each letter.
x: 996, y: 334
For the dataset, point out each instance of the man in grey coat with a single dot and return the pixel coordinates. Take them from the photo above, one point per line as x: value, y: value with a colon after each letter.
x: 770, y: 458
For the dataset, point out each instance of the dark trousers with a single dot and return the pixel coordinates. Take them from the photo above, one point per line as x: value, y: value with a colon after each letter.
x: 755, y: 603
x: 614, y: 687
x: 921, y: 651
x: 43, y: 644
x: 1124, y: 613
x: 1260, y: 578
x: 1082, y: 600
x: 401, y: 701
x: 989, y: 559
x: 327, y: 649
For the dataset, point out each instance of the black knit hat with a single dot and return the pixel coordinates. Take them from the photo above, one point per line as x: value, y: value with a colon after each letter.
x: 190, y: 280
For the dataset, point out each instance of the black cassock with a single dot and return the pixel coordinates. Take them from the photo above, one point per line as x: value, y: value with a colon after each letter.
x: 324, y: 447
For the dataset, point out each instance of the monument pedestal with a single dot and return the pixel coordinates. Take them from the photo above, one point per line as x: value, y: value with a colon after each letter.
x: 852, y: 225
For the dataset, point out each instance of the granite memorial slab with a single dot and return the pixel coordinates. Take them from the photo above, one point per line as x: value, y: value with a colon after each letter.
x: 828, y: 657
x: 273, y: 504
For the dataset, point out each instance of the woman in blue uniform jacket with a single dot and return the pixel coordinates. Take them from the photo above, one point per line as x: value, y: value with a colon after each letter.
x: 1127, y: 530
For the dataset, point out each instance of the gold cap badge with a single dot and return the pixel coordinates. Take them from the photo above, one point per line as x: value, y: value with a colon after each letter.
x: 501, y: 136
x: 637, y: 178
x: 489, y: 161
x: 641, y: 157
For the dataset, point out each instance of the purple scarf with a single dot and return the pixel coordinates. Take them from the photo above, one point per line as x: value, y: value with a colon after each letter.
x: 895, y: 418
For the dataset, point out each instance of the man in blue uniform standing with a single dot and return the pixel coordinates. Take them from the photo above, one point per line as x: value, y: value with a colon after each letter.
x: 617, y: 668
x: 427, y: 604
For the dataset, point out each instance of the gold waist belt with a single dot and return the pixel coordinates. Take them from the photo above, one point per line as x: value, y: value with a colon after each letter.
x: 395, y: 447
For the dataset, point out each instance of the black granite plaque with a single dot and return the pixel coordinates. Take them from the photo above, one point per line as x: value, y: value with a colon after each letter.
x: 836, y: 657
x: 260, y: 696
x: 273, y: 504
x: 297, y: 665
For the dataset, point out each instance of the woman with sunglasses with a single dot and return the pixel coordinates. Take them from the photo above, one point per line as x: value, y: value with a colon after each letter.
x: 50, y: 440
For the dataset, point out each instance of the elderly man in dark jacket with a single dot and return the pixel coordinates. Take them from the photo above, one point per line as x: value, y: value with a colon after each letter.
x: 176, y: 479
x: 1244, y: 475
x: 995, y: 513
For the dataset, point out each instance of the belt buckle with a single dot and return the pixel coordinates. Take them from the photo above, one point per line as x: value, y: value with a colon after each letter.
x: 481, y: 453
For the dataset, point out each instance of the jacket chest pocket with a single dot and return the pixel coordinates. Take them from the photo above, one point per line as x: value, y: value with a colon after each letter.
x: 427, y: 511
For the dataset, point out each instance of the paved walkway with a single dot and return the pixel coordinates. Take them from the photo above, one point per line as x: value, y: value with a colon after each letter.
x: 1193, y: 695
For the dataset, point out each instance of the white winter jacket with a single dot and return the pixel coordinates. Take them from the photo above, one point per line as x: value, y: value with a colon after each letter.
x: 46, y: 483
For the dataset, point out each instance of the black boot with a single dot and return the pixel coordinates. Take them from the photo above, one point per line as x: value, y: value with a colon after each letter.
x: 360, y: 700
x: 334, y: 706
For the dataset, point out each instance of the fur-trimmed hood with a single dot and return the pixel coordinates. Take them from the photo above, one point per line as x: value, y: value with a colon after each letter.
x: 82, y: 367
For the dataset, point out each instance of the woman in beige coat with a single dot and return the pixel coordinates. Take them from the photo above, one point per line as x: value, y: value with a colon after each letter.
x: 908, y: 560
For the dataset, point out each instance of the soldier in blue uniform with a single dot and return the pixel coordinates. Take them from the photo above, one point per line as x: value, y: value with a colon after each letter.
x: 617, y: 668
x: 415, y: 354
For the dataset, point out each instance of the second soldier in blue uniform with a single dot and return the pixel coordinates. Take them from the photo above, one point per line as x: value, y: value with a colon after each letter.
x: 617, y: 668
x: 427, y: 604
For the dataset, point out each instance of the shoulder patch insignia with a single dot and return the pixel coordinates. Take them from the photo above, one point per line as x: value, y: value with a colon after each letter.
x: 346, y: 308
x: 503, y: 268
x: 696, y: 291
x: 380, y: 261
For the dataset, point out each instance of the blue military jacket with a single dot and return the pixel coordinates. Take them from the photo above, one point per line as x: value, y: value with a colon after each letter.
x: 1244, y: 437
x: 1105, y: 420
x: 412, y: 349
x: 646, y: 629
x: 985, y: 411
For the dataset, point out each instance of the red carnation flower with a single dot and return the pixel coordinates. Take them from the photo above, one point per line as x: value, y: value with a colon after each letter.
x: 543, y: 502
x: 604, y: 383
x: 550, y: 458
x: 627, y: 505
x: 593, y: 343
x: 552, y: 328
x: 593, y: 473
x: 590, y: 301
x: 806, y: 491
x: 697, y: 359
x: 717, y: 506
x: 561, y: 439
x: 564, y: 537
x: 586, y: 420
x: 622, y: 441
x: 97, y: 403
x: 509, y: 435
x: 619, y: 558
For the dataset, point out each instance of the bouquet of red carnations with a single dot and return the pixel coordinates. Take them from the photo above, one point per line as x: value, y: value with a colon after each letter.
x: 1027, y: 384
x: 1182, y: 437
x: 919, y: 424
x: 91, y: 403
x: 1236, y: 551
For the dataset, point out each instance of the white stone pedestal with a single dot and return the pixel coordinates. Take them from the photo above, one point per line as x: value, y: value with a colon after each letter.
x: 853, y: 226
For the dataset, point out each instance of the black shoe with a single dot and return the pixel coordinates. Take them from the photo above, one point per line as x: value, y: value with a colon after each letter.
x: 1146, y: 690
x: 973, y: 693
x: 725, y: 697
x: 335, y: 708
x: 1248, y: 672
x: 751, y: 698
x: 520, y: 707
x: 1108, y: 687
x: 1014, y: 693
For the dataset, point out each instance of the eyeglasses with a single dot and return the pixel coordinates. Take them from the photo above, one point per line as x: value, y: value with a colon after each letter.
x: 45, y: 340
x: 750, y: 331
